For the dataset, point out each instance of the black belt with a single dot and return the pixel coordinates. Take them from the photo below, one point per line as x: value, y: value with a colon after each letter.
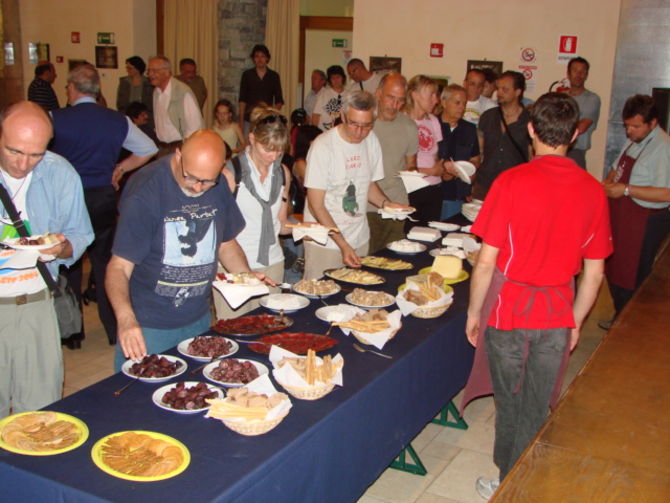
x: 20, y: 300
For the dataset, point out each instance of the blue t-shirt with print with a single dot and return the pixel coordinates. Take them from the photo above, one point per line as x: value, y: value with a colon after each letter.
x: 173, y: 240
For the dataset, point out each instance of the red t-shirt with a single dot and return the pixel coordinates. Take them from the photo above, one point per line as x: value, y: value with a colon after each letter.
x: 545, y: 217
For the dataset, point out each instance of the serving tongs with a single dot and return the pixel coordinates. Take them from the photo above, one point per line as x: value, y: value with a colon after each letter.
x: 121, y: 390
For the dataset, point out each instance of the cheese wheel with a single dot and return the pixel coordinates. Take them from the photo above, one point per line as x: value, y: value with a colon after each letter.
x: 447, y: 266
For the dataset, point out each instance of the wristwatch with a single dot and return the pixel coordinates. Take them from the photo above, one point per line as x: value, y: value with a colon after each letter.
x: 626, y: 191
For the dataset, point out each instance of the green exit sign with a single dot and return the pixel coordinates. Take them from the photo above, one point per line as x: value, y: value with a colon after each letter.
x: 105, y: 38
x: 339, y: 42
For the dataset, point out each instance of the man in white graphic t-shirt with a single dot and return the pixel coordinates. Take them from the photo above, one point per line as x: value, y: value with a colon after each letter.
x: 343, y: 166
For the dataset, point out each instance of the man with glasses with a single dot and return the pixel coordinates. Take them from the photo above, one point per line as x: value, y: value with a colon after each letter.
x: 176, y: 111
x: 46, y: 192
x: 177, y: 220
x: 343, y: 166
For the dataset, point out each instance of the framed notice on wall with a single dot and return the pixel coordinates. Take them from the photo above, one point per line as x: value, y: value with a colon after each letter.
x: 496, y: 66
x: 106, y: 56
x: 385, y: 64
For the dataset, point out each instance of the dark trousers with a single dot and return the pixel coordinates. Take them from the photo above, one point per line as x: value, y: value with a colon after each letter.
x: 528, y: 360
x: 658, y: 228
x: 101, y: 205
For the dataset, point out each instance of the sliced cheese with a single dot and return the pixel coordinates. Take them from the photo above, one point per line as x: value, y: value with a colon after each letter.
x: 447, y: 266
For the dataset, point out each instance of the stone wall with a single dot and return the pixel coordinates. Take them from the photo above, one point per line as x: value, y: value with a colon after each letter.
x: 241, y: 26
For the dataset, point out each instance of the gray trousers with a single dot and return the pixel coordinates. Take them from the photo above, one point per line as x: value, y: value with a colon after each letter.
x: 31, y: 359
x: 524, y: 365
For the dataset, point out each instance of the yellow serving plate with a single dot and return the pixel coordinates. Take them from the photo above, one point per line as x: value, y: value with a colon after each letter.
x: 81, y: 426
x: 96, y: 454
x: 448, y: 281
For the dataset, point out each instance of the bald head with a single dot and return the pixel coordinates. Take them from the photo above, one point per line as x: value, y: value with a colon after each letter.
x: 391, y: 95
x: 200, y: 159
x: 25, y: 131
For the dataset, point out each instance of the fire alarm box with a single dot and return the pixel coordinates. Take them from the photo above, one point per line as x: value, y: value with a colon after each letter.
x: 436, y: 50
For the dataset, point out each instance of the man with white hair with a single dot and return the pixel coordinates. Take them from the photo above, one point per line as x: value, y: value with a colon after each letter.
x: 176, y: 111
x: 343, y: 166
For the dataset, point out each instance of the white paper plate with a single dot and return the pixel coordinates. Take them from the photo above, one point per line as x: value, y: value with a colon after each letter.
x: 14, y: 243
x: 207, y: 372
x: 444, y: 226
x: 467, y: 228
x: 182, y: 347
x: 465, y: 170
x: 125, y: 368
x: 391, y: 301
x: 421, y: 248
x: 157, y: 397
x: 418, y: 174
x: 347, y: 312
x: 314, y: 296
x: 284, y: 298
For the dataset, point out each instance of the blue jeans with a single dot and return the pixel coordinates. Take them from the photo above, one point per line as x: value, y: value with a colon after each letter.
x: 450, y: 208
x: 158, y: 340
x: 522, y: 386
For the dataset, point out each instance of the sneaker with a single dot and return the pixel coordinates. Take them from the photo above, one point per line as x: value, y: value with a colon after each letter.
x: 605, y: 324
x: 486, y: 487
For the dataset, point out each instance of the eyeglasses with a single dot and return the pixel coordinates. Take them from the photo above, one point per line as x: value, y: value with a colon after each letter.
x: 361, y: 125
x: 271, y: 119
x: 192, y: 180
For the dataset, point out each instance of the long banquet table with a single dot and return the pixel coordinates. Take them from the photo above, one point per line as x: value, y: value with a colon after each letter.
x: 325, y: 450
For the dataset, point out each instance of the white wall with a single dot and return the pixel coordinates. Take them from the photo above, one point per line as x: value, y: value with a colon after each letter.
x: 320, y: 53
x: 482, y: 29
x: 132, y: 21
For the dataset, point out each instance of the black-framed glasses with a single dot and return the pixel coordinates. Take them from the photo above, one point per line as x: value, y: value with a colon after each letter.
x: 192, y: 180
x: 361, y: 125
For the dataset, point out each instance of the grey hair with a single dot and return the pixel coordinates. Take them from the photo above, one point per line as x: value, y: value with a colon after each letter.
x: 392, y: 74
x: 166, y: 62
x: 451, y: 89
x: 359, y: 100
x: 321, y: 73
x: 85, y: 79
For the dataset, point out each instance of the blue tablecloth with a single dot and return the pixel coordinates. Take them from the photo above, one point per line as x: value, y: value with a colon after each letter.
x: 325, y: 450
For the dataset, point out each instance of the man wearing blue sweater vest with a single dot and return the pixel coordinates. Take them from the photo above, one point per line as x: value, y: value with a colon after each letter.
x: 91, y: 137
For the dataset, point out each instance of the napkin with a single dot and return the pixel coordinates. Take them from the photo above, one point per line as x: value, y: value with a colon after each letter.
x: 287, y: 375
x: 237, y: 294
x: 263, y: 386
x: 413, y: 182
x: 396, y: 215
x: 407, y: 307
x: 317, y: 232
x: 444, y: 226
x: 378, y: 339
x: 19, y: 259
x: 470, y: 245
x: 342, y: 312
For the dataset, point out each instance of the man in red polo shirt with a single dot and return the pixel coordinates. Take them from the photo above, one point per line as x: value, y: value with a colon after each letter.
x: 539, y: 222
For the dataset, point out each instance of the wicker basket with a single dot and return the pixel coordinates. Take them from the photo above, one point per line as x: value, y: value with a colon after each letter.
x: 309, y: 392
x: 361, y: 336
x: 252, y: 428
x: 430, y: 312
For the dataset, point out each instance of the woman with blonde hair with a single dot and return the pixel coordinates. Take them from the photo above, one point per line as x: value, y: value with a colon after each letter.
x: 259, y: 182
x: 421, y: 101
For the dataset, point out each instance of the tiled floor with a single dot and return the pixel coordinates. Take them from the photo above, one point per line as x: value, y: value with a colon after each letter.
x: 454, y: 458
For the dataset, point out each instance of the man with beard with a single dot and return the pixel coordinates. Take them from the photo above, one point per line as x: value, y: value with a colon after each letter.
x: 178, y: 218
x: 399, y: 140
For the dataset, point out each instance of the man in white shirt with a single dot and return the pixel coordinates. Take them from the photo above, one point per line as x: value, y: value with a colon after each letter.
x: 176, y: 111
x: 343, y: 166
x: 477, y: 103
x: 361, y: 78
x: 318, y: 83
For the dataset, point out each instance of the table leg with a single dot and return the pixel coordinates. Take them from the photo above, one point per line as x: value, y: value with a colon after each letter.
x: 457, y: 422
x: 400, y: 463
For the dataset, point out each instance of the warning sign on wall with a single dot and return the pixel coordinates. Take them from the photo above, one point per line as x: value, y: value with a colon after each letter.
x: 567, y: 47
